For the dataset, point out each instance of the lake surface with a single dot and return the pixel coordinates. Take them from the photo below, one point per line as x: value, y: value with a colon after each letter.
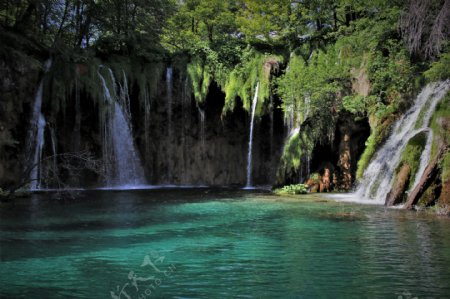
x: 202, y: 243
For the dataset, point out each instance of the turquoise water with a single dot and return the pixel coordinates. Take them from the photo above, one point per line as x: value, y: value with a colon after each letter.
x: 218, y: 244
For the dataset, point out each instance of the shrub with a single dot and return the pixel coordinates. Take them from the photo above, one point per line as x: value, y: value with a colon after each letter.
x: 292, y: 189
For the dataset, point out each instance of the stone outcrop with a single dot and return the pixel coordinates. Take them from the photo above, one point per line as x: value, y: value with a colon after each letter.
x: 17, y: 88
x: 360, y: 81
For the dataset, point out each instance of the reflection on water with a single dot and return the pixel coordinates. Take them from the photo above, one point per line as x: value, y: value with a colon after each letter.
x: 202, y: 243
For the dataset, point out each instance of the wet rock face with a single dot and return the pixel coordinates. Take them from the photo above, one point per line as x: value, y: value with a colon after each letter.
x: 191, y: 144
x: 360, y: 82
x: 203, y: 147
x: 16, y: 95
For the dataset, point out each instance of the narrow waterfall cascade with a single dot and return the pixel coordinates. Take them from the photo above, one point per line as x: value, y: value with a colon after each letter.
x: 146, y: 105
x: 123, y: 164
x: 378, y: 176
x: 250, y: 141
x: 124, y: 96
x: 289, y: 119
x: 35, y: 175
x: 35, y: 137
x: 424, y: 158
x: 305, y: 168
x: 169, y: 90
x: 201, y: 114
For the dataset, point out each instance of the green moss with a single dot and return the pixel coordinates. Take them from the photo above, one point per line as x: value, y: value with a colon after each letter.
x: 377, y: 136
x: 411, y: 156
x: 242, y: 80
x: 315, y: 177
x: 200, y: 77
x: 439, y: 70
x: 446, y: 168
x: 371, y: 147
x: 440, y: 123
x: 313, y: 86
x: 299, y: 144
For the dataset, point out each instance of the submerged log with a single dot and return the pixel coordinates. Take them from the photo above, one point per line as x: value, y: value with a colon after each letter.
x: 426, y: 180
x: 395, y: 195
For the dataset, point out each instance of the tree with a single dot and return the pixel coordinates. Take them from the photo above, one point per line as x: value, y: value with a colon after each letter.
x: 71, y: 164
x: 424, y: 26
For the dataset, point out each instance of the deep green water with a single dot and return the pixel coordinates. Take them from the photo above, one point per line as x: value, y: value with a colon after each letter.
x: 218, y: 244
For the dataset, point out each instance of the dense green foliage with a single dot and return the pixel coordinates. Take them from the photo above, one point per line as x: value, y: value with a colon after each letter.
x: 200, y: 79
x: 254, y: 69
x: 440, y: 124
x: 439, y: 70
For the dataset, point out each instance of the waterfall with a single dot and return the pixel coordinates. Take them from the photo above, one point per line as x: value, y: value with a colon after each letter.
x: 35, y: 175
x: 378, y: 176
x: 169, y: 89
x: 305, y: 168
x: 123, y: 165
x: 186, y: 123
x: 289, y: 119
x: 147, y: 120
x: 250, y: 141
x: 201, y: 114
x: 35, y: 136
x: 424, y: 158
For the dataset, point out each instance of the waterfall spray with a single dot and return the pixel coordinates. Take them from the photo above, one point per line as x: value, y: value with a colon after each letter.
x: 36, y: 134
x: 123, y: 165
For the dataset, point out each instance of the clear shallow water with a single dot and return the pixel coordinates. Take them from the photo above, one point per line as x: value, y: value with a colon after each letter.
x: 218, y: 244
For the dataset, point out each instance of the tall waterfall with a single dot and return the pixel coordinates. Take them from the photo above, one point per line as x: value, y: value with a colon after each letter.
x: 123, y: 164
x: 377, y: 179
x: 201, y: 114
x: 35, y: 137
x: 250, y: 141
x: 146, y: 106
x: 169, y: 90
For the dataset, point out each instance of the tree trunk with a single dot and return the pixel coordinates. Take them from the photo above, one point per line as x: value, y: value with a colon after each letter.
x: 426, y: 180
